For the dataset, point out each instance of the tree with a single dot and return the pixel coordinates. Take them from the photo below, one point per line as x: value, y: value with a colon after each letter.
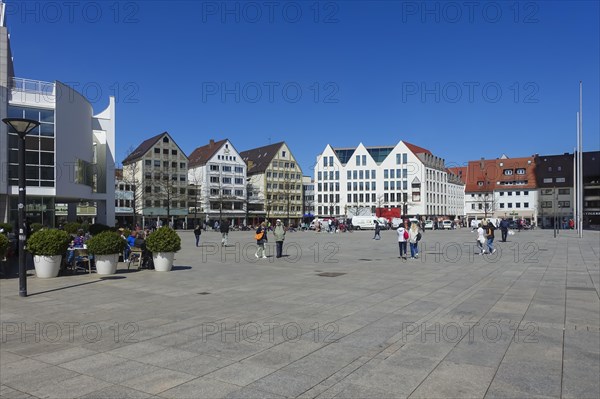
x: 486, y: 203
x: 168, y: 189
x: 132, y: 177
x: 194, y: 191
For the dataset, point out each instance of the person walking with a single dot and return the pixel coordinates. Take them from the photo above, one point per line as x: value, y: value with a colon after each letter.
x: 224, y: 228
x: 261, y: 239
x: 402, y: 238
x: 480, y: 239
x: 504, y: 229
x: 413, y: 239
x: 490, y: 237
x: 377, y: 235
x: 279, y: 234
x: 197, y: 233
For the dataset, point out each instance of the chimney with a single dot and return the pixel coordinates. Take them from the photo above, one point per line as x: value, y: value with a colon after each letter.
x: 211, y: 143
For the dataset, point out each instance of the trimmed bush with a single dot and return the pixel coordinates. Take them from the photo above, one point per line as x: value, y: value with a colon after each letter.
x: 164, y: 239
x: 3, y: 245
x: 98, y: 228
x: 71, y: 227
x: 7, y: 227
x: 48, y: 242
x: 36, y: 227
x: 106, y: 243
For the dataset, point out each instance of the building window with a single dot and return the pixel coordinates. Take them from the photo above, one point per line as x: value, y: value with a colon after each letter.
x: 546, y: 204
x: 520, y: 171
x: 548, y: 180
x: 517, y: 193
x: 518, y: 205
x: 283, y: 154
x: 509, y: 193
x: 364, y: 160
x: 501, y: 193
x: 508, y: 172
x: 526, y: 204
x: 214, y: 168
x: 560, y: 179
x: 473, y: 206
x: 148, y: 162
x: 564, y: 191
x: 510, y: 204
x: 358, y: 160
x: 480, y: 183
x: 157, y: 150
x: 564, y: 204
x: 501, y: 206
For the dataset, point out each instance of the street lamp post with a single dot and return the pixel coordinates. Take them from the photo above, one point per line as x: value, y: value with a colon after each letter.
x: 22, y: 127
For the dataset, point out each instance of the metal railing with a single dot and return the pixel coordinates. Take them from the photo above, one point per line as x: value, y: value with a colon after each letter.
x: 33, y: 86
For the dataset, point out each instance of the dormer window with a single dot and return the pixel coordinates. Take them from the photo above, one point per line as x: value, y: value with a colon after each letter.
x: 521, y: 171
x: 508, y: 172
x: 165, y: 139
x: 480, y: 183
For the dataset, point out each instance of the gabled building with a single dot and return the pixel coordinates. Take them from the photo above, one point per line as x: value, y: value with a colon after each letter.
x: 70, y: 156
x: 218, y: 174
x: 503, y: 187
x: 275, y: 184
x: 360, y: 180
x: 591, y: 189
x: 158, y: 169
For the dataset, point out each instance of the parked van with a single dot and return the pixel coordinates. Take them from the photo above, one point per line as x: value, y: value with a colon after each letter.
x: 364, y: 222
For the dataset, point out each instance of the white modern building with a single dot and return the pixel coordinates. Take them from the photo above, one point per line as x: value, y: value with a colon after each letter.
x: 220, y: 172
x: 70, y: 157
x: 308, y: 198
x: 359, y: 180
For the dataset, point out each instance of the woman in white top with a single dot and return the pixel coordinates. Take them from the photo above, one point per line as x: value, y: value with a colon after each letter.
x: 480, y: 239
x: 402, y: 238
x: 413, y: 240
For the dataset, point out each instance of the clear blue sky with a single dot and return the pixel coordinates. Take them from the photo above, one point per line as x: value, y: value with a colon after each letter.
x: 463, y: 82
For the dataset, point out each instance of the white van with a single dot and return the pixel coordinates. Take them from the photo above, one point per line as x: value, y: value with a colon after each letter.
x: 364, y: 222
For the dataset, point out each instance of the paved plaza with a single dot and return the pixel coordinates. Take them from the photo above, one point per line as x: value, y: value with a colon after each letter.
x: 341, y: 316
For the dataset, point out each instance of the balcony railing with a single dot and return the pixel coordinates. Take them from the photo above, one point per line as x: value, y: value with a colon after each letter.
x: 33, y: 86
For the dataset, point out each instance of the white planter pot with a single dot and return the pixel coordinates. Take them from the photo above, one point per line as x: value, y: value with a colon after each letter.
x: 47, y: 266
x: 163, y: 261
x: 106, y: 264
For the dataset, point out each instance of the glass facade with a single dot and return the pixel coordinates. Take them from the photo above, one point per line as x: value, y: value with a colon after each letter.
x: 39, y: 148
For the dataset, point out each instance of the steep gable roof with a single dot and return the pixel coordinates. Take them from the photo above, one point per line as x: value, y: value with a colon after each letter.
x: 142, y: 148
x: 201, y: 155
x: 258, y: 159
x: 415, y: 149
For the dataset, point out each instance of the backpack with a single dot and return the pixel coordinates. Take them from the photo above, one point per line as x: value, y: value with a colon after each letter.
x: 418, y: 237
x: 405, y: 235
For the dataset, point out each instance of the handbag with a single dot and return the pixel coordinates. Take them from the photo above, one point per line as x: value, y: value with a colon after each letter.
x: 259, y: 236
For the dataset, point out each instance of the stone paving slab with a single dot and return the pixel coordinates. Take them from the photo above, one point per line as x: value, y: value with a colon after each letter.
x: 524, y: 322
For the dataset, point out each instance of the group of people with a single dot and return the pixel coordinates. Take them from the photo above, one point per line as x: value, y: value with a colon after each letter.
x: 137, y: 239
x: 261, y: 239
x: 411, y: 235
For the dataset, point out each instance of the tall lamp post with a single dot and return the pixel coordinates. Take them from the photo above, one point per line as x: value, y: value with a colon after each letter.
x: 22, y: 127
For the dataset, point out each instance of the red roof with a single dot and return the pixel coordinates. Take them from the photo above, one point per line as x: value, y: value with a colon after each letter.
x: 416, y: 149
x: 460, y: 171
x: 201, y: 155
x: 489, y: 174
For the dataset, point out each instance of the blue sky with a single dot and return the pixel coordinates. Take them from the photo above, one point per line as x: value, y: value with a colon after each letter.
x: 463, y: 81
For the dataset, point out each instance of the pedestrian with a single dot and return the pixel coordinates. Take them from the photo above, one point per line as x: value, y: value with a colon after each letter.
x: 413, y: 239
x: 197, y: 233
x: 490, y: 237
x: 402, y: 238
x: 224, y: 228
x: 504, y: 229
x: 377, y: 235
x: 279, y: 234
x: 261, y: 239
x: 480, y: 239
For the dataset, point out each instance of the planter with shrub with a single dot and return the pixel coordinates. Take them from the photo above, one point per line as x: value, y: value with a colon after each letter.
x: 3, y: 246
x: 48, y: 247
x: 163, y: 244
x: 106, y: 248
x: 71, y: 227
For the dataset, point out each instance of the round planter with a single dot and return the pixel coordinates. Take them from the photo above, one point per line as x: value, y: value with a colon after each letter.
x: 47, y: 266
x: 106, y: 264
x: 163, y: 261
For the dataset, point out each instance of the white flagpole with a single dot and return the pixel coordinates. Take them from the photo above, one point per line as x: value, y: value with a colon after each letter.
x: 580, y: 177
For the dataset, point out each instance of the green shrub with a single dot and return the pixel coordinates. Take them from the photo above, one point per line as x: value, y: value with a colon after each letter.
x: 3, y: 245
x: 7, y: 227
x: 71, y: 227
x: 164, y: 239
x: 106, y: 243
x: 98, y: 228
x: 85, y: 226
x: 36, y: 227
x: 48, y: 242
